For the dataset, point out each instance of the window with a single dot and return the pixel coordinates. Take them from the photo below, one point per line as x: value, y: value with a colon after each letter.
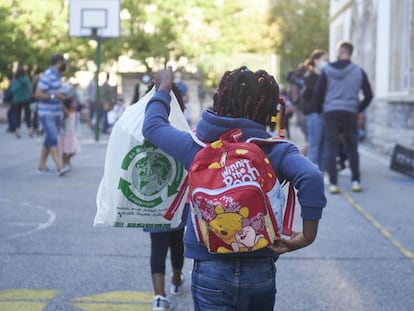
x: 400, y: 48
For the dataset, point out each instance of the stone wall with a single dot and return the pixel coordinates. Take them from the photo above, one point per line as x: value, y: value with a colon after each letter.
x: 390, y: 122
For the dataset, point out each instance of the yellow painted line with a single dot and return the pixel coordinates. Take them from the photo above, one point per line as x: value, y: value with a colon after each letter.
x: 22, y: 306
x: 28, y: 294
x: 25, y: 299
x: 116, y: 301
x: 111, y: 307
x: 119, y: 296
x: 405, y: 252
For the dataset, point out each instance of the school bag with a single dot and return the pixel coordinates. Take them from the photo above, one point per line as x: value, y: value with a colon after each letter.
x: 236, y: 198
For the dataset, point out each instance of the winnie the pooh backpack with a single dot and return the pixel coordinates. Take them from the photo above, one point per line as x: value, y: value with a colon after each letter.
x: 236, y: 198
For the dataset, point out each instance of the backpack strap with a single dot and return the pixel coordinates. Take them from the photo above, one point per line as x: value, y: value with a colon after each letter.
x: 289, y: 212
x: 169, y: 213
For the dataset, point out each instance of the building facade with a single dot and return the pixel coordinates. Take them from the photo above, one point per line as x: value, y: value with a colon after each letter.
x: 382, y: 33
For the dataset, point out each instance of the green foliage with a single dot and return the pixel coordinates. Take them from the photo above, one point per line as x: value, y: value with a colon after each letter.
x: 160, y: 30
x: 303, y: 25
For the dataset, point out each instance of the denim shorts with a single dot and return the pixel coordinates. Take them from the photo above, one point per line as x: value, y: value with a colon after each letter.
x: 51, y: 124
x: 230, y: 285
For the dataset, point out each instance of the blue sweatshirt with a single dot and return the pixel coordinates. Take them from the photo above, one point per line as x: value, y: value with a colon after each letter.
x: 285, y: 158
x: 338, y: 88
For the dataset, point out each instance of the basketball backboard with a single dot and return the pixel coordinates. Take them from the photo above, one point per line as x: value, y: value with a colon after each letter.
x: 89, y: 16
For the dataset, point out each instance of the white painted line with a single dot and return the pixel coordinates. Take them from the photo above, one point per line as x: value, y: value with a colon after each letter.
x: 40, y: 226
x: 94, y: 142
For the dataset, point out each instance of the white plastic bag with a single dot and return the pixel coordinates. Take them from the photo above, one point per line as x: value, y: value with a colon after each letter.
x: 140, y: 181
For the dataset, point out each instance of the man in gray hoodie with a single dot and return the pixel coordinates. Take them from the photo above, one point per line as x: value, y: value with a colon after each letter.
x: 337, y: 94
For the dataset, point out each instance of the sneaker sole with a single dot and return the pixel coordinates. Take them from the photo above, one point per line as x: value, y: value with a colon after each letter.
x: 334, y: 191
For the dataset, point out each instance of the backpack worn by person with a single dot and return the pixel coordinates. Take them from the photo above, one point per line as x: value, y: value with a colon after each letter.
x: 236, y: 198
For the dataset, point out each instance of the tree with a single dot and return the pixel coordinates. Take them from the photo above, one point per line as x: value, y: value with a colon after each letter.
x: 155, y: 31
x: 302, y: 26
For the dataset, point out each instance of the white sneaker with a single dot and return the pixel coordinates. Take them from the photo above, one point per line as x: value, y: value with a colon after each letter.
x: 356, y: 187
x: 333, y: 189
x: 63, y: 170
x: 160, y: 303
x: 177, y: 289
x: 44, y: 171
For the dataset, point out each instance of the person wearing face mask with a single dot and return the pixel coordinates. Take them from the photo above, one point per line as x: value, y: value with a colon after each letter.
x: 50, y: 112
x: 337, y: 96
x: 317, y: 61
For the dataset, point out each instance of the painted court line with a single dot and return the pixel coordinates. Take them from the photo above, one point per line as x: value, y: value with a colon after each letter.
x: 39, y: 226
x: 397, y: 244
x: 38, y: 299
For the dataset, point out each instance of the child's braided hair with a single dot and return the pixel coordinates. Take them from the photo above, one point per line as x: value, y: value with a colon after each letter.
x: 246, y: 94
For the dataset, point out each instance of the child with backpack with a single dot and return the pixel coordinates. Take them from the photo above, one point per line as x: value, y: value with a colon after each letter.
x: 236, y: 275
x: 164, y: 239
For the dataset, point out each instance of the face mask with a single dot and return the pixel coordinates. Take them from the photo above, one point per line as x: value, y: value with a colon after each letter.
x: 323, y: 64
x: 62, y: 67
x: 146, y: 79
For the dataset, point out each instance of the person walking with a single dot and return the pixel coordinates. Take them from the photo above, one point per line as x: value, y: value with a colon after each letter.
x: 91, y: 98
x: 68, y: 144
x: 337, y: 96
x: 161, y: 241
x: 50, y: 112
x: 107, y: 99
x: 8, y: 98
x: 33, y: 104
x: 246, y: 100
x: 295, y: 80
x: 21, y: 95
x: 317, y: 61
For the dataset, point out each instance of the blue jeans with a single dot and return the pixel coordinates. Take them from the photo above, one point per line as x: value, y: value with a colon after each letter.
x: 230, y: 285
x: 315, y: 139
x: 51, y: 125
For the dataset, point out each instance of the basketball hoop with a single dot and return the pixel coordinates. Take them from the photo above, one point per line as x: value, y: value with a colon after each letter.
x: 95, y: 19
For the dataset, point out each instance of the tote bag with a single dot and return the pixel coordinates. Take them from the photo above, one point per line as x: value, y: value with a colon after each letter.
x: 140, y: 181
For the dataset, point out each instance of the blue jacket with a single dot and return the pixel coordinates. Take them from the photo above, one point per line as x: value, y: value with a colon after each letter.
x: 286, y: 160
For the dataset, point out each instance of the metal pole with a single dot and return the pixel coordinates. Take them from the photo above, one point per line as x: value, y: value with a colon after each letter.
x: 97, y: 105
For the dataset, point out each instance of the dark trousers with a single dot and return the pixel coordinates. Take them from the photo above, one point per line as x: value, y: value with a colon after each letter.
x: 344, y: 122
x: 160, y: 242
x: 16, y: 114
x: 10, y: 119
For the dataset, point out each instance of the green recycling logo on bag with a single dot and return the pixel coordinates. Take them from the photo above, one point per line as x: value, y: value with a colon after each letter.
x: 154, y: 175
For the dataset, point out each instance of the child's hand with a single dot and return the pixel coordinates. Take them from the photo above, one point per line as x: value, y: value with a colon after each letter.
x: 297, y: 239
x: 281, y: 245
x: 164, y: 79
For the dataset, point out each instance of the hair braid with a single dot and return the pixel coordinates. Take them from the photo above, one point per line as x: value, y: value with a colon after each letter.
x: 245, y: 94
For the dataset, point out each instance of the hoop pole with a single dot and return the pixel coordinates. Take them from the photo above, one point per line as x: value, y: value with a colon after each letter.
x: 98, y: 101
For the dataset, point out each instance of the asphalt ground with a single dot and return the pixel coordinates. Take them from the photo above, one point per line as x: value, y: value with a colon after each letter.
x: 52, y: 258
